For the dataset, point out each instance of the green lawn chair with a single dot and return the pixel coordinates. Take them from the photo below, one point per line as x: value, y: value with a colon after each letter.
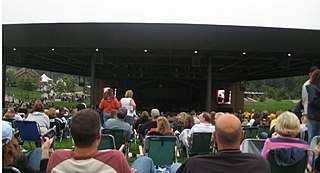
x: 107, y: 142
x: 250, y: 132
x: 161, y: 149
x: 120, y: 139
x: 263, y: 129
x: 200, y: 144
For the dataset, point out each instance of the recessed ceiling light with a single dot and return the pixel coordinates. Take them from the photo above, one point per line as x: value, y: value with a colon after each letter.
x: 289, y: 54
x: 244, y: 53
x: 14, y: 49
x: 145, y: 51
x: 52, y: 49
x: 195, y: 51
x: 97, y: 50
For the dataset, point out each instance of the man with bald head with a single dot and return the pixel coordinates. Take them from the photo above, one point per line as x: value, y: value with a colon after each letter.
x: 228, y: 135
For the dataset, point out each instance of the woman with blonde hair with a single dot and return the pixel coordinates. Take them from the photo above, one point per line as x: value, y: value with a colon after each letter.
x: 285, y: 136
x: 163, y: 127
x: 128, y: 102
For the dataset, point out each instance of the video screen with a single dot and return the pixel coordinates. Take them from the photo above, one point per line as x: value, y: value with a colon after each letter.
x: 223, y: 96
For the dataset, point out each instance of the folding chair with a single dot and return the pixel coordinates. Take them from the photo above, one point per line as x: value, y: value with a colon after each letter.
x: 57, y: 127
x: 10, y: 169
x: 119, y: 137
x: 161, y: 149
x: 200, y: 144
x: 251, y: 145
x: 107, y: 142
x: 250, y: 132
x: 298, y: 165
x: 263, y: 129
x: 29, y: 131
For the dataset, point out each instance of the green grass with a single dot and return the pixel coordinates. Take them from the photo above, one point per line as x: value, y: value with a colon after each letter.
x: 271, y: 106
x: 23, y: 94
x: 66, y: 104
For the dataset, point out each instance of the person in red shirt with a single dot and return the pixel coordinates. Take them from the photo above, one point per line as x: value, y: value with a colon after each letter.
x: 108, y: 103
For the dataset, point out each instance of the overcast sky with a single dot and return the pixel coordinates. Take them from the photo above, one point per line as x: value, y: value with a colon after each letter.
x: 304, y: 14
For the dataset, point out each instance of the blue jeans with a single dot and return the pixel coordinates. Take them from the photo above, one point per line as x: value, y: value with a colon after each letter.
x: 106, y: 116
x: 145, y: 165
x: 129, y: 119
x: 34, y: 158
x: 313, y: 129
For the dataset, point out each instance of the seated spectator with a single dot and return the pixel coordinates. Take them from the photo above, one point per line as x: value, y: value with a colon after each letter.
x: 12, y: 114
x: 144, y: 117
x: 86, y: 133
x: 193, y: 113
x: 263, y: 120
x: 119, y: 123
x: 53, y: 118
x: 81, y: 105
x: 155, y: 113
x: 34, y: 161
x: 229, y: 157
x: 23, y: 109
x: 204, y: 126
x: 188, y: 124
x: 286, y: 131
x: 163, y: 127
x: 37, y: 114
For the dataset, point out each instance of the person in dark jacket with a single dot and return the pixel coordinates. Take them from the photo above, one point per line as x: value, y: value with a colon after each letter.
x: 313, y: 115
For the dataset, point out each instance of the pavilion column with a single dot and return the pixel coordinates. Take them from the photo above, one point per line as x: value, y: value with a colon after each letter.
x: 4, y: 77
x: 209, y: 86
x: 92, y: 80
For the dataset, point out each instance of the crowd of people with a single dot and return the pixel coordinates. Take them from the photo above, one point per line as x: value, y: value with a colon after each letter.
x: 85, y: 125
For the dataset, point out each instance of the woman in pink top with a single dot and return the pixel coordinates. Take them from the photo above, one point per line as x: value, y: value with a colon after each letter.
x: 287, y: 129
x: 108, y: 103
x: 163, y: 128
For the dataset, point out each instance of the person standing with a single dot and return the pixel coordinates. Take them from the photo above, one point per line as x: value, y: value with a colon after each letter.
x: 108, y: 103
x: 130, y: 104
x: 304, y: 94
x: 313, y: 115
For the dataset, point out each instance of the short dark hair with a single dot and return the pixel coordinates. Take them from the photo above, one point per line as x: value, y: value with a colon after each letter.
x: 206, y: 116
x: 85, y: 126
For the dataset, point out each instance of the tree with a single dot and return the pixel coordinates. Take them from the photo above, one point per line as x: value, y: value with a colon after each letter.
x: 28, y: 83
x: 10, y: 77
x: 60, y: 86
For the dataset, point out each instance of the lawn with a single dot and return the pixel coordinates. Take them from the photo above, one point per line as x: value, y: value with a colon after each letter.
x: 23, y: 94
x: 271, y: 106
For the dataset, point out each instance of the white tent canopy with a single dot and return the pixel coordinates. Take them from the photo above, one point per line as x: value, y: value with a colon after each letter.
x: 45, y: 78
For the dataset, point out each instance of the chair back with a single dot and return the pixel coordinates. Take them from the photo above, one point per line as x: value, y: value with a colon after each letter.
x: 251, y: 145
x: 278, y: 165
x: 29, y: 130
x: 200, y: 143
x: 118, y: 134
x: 250, y: 132
x: 107, y: 142
x: 11, y: 121
x: 10, y: 169
x: 161, y: 149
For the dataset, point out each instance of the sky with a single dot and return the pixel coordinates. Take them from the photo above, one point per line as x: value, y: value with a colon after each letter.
x: 301, y: 14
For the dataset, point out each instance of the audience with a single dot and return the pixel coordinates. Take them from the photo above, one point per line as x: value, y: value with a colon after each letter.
x: 286, y: 131
x: 188, y: 124
x: 204, y: 126
x: 85, y: 157
x: 155, y: 113
x: 229, y: 157
x: 31, y: 162
x: 163, y: 128
x: 119, y: 123
x: 12, y: 114
x: 37, y: 114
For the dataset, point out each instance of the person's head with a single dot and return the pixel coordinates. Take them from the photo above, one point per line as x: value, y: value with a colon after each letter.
x: 108, y: 94
x: 189, y: 122
x: 217, y: 115
x: 288, y: 124
x: 144, y: 115
x: 37, y: 107
x: 228, y: 132
x: 212, y: 114
x: 181, y: 117
x: 128, y: 94
x: 122, y: 113
x: 315, y: 77
x: 10, y: 113
x: 10, y: 146
x: 52, y: 113
x: 264, y: 114
x: 312, y: 69
x: 303, y: 119
x: 85, y: 128
x: 155, y: 113
x: 163, y: 125
x: 205, y: 117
